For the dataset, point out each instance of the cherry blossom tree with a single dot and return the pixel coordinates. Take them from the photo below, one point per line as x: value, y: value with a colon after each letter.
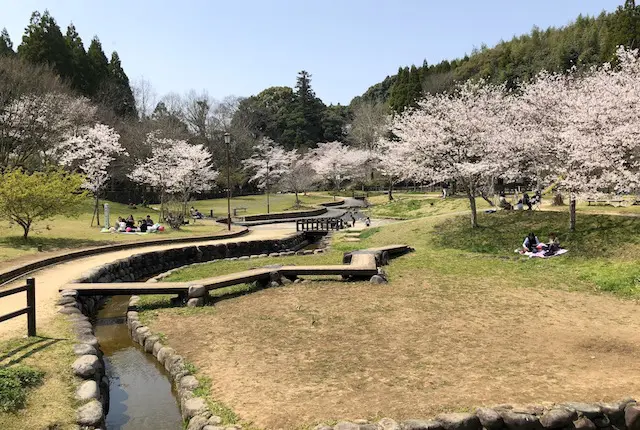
x: 268, y: 163
x: 175, y: 168
x: 91, y: 151
x: 298, y: 175
x: 585, y: 128
x: 395, y: 163
x: 31, y: 126
x: 464, y: 136
x: 336, y: 162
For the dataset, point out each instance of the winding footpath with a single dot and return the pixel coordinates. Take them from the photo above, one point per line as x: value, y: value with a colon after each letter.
x: 49, y: 280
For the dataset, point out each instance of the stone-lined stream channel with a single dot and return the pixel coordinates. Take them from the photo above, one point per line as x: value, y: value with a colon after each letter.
x: 141, y: 394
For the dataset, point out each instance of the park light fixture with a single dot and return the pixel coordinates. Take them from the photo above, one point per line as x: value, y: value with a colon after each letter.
x: 227, y: 144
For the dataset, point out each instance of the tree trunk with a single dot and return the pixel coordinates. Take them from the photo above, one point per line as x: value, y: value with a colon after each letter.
x: 97, y: 208
x: 474, y: 213
x: 572, y: 214
x: 25, y: 227
x: 390, y: 190
x: 297, y: 199
x: 484, y: 196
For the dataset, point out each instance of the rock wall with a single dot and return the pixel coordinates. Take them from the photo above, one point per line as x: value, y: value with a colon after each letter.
x: 93, y: 390
x: 143, y: 265
x: 622, y: 415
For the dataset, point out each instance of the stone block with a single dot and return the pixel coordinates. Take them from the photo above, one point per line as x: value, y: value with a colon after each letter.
x: 88, y: 390
x: 489, y: 419
x: 90, y: 414
x: 192, y: 407
x: 520, y: 421
x: 422, y: 425
x: 164, y: 353
x: 195, y: 302
x: 632, y: 417
x: 197, y: 291
x: 584, y: 423
x: 557, y: 418
x: 459, y: 421
x: 149, y: 342
x: 586, y: 409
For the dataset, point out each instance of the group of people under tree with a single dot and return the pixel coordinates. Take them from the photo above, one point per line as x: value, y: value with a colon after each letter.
x: 526, y: 200
x: 128, y: 225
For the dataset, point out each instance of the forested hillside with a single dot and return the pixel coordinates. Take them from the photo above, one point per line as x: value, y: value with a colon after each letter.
x: 87, y: 72
x: 587, y: 41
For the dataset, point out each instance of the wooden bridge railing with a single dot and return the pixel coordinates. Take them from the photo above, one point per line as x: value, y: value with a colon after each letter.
x: 319, y: 224
x: 30, y: 310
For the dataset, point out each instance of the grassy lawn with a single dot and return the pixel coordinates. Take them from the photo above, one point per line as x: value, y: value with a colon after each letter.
x: 411, y: 206
x: 67, y: 233
x: 464, y: 322
x: 50, y: 405
x: 258, y: 204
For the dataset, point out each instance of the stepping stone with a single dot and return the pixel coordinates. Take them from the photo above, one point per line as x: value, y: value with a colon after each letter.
x: 351, y: 239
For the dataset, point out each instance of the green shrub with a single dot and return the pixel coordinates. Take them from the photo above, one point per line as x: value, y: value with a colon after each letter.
x: 13, y: 384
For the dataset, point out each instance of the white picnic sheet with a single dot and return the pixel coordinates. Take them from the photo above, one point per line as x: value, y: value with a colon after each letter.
x: 540, y: 254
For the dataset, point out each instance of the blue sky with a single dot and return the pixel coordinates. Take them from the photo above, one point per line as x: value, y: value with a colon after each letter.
x: 241, y: 47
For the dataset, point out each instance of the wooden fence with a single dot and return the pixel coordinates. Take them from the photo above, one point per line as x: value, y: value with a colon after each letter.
x: 30, y: 310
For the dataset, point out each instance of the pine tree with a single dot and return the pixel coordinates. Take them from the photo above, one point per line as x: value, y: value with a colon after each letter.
x: 43, y: 43
x: 6, y: 45
x: 122, y: 99
x: 98, y: 66
x: 414, y: 89
x: 306, y: 117
x: 399, y: 91
x: 81, y: 72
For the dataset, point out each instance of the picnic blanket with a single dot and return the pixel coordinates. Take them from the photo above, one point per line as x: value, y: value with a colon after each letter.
x: 540, y: 254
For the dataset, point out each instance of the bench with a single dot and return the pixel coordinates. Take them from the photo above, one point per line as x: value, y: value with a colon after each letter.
x: 604, y: 202
x: 236, y: 210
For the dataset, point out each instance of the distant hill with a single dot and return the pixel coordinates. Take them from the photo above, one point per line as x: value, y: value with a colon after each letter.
x: 586, y: 41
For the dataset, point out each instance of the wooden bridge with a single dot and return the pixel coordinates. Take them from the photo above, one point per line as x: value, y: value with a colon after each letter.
x: 320, y: 224
x: 361, y: 264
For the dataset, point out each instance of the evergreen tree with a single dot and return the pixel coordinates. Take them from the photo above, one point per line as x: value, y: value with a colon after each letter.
x: 414, y: 88
x: 399, y: 91
x: 43, y: 43
x: 121, y: 97
x: 306, y: 118
x: 80, y: 72
x: 98, y: 66
x: 6, y: 45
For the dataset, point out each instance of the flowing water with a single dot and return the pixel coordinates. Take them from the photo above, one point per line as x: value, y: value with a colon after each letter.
x: 141, y: 395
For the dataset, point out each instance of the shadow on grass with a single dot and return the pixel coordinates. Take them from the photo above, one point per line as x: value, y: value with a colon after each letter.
x: 25, y: 348
x: 503, y: 232
x: 48, y: 243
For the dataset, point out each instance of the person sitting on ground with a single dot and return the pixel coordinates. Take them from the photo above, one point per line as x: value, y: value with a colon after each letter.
x: 131, y: 223
x: 519, y: 206
x: 504, y: 204
x: 142, y: 225
x: 197, y: 214
x: 149, y: 221
x: 530, y: 243
x: 132, y: 205
x: 526, y: 201
x: 122, y: 225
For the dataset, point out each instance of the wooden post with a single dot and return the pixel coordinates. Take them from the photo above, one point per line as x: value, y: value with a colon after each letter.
x: 31, y: 304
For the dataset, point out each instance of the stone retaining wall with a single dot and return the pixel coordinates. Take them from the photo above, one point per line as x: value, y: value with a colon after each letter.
x: 93, y: 389
x: 622, y: 415
x: 286, y: 215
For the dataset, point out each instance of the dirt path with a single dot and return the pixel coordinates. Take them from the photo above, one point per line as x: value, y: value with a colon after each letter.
x: 49, y: 280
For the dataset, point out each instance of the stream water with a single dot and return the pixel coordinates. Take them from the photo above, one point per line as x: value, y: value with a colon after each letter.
x: 141, y: 394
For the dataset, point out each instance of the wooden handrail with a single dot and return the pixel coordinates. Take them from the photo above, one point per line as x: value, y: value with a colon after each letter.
x: 30, y: 310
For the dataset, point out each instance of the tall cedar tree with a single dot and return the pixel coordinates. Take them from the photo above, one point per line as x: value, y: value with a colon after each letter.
x: 121, y: 97
x: 81, y: 71
x: 98, y: 65
x: 6, y: 45
x: 43, y: 43
x: 307, y: 116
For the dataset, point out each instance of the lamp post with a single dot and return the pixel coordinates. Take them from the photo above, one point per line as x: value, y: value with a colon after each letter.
x: 227, y: 144
x: 267, y: 184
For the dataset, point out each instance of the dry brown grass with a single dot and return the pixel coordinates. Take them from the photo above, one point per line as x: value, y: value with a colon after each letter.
x: 425, y: 343
x: 50, y: 406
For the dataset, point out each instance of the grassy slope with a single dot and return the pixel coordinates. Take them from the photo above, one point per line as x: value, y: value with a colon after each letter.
x: 50, y: 405
x: 602, y: 258
x: 411, y: 206
x: 258, y: 204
